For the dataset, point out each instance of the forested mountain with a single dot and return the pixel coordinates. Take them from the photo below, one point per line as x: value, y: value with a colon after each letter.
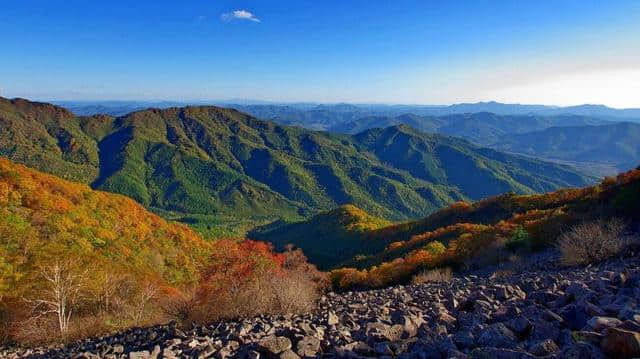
x: 482, y: 128
x: 461, y: 235
x: 616, y: 144
x: 208, y: 161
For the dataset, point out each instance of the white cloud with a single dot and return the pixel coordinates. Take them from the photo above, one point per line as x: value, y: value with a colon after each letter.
x: 239, y: 15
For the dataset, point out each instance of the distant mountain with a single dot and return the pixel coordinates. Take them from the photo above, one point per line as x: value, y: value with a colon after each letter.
x: 615, y: 144
x: 113, y: 108
x: 483, y: 128
x: 200, y: 164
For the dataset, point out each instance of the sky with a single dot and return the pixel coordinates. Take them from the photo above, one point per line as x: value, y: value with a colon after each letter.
x: 554, y: 52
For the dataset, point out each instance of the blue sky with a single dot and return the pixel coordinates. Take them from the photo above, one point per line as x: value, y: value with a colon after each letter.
x: 559, y: 52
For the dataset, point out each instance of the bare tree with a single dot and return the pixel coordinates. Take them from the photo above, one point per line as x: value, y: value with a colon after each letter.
x: 149, y: 292
x: 60, y: 294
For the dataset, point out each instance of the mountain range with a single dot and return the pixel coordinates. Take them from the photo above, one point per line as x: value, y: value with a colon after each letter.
x: 214, y: 167
x: 323, y: 115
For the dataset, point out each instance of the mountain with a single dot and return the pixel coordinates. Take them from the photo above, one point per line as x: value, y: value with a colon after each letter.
x: 208, y: 165
x: 113, y: 108
x: 615, y: 144
x: 325, y: 115
x: 482, y: 128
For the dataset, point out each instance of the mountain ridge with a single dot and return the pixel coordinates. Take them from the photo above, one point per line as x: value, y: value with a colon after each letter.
x: 202, y: 162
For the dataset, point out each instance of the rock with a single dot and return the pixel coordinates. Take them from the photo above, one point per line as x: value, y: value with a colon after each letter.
x: 288, y: 354
x: 520, y: 325
x: 308, y: 346
x: 332, y: 318
x: 144, y: 354
x: 497, y: 335
x: 574, y: 316
x: 383, y: 348
x: 581, y: 351
x: 544, y: 348
x: 378, y: 332
x: 601, y: 323
x: 587, y: 337
x: 464, y: 339
x: 620, y: 343
x: 118, y: 349
x: 499, y: 353
x: 274, y: 345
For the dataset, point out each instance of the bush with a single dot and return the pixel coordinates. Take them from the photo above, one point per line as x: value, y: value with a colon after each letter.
x: 591, y: 242
x: 521, y: 240
x: 435, y: 248
x: 289, y: 288
x: 435, y: 275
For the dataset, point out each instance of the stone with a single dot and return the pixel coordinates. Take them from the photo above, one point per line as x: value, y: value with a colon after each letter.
x: 274, y: 345
x: 308, y: 346
x: 288, y: 354
x: 520, y: 325
x: 144, y: 354
x: 332, y: 318
x: 377, y: 332
x: 601, y: 323
x: 497, y: 335
x: 500, y: 353
x: 544, y: 348
x: 620, y: 343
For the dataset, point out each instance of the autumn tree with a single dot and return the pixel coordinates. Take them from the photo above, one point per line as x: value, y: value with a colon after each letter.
x: 59, y: 295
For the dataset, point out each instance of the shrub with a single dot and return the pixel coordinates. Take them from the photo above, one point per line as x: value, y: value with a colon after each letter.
x: 435, y: 275
x: 520, y: 240
x: 272, y: 284
x: 435, y: 248
x: 591, y: 242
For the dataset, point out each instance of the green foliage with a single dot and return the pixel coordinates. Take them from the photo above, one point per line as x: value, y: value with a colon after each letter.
x: 208, y: 162
x: 328, y: 238
x: 519, y: 240
x: 435, y: 248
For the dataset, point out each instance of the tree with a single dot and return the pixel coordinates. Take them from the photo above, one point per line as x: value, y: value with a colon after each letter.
x: 59, y: 295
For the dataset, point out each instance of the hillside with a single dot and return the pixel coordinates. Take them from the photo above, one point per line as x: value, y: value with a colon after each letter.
x: 101, y: 262
x: 328, y: 237
x: 465, y: 235
x: 208, y: 165
x: 615, y: 144
x: 541, y: 311
x: 44, y: 219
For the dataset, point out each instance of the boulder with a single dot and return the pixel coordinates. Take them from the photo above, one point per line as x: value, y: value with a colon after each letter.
x: 620, y: 343
x: 274, y: 345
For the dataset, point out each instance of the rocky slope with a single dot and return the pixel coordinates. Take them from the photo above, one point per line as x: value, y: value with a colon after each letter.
x: 543, y: 311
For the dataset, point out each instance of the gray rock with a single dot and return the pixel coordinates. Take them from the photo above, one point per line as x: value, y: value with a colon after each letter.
x: 308, y: 346
x: 544, y: 348
x: 274, y: 345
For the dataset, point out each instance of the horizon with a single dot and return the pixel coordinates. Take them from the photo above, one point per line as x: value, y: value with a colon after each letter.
x: 565, y: 53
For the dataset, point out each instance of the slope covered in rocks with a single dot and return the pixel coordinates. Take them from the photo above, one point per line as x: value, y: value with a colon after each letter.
x: 540, y: 311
